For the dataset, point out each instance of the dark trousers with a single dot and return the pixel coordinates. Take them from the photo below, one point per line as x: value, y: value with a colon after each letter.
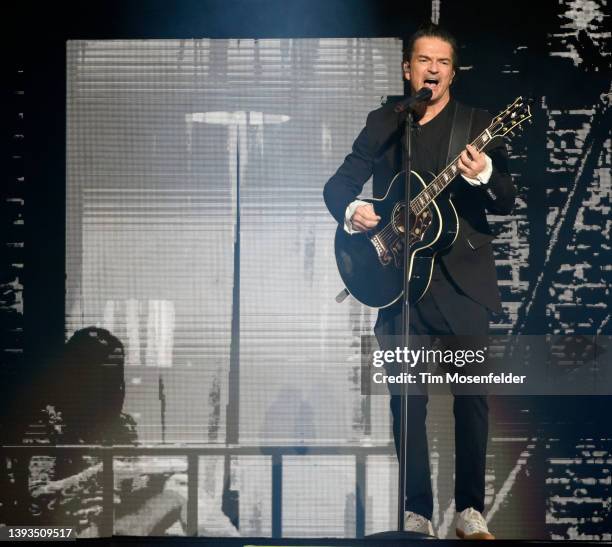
x: 444, y: 310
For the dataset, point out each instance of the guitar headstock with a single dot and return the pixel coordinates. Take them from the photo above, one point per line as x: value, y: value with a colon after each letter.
x: 512, y: 117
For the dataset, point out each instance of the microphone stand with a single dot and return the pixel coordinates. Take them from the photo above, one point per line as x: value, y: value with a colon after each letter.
x: 424, y: 94
x: 405, y: 320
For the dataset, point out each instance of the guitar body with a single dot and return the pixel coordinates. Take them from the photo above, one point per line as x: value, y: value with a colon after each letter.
x: 371, y: 263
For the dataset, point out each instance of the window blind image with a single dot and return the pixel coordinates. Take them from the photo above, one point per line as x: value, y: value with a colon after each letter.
x: 198, y: 236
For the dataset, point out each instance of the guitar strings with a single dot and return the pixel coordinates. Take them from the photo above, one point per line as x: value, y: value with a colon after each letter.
x: 416, y: 210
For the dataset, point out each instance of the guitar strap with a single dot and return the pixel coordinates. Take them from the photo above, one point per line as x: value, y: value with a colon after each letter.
x: 460, y: 131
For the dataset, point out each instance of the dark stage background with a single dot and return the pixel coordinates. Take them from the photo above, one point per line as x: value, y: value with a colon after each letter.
x: 550, y: 461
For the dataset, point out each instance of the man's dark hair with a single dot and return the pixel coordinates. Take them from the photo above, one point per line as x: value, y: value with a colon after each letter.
x: 92, y: 374
x: 431, y: 30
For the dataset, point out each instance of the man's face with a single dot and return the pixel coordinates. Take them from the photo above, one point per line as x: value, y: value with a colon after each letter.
x: 431, y: 65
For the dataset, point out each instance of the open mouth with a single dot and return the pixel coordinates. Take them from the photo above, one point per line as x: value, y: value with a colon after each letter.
x: 431, y: 83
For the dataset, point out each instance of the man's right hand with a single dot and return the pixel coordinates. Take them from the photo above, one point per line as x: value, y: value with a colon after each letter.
x: 364, y: 218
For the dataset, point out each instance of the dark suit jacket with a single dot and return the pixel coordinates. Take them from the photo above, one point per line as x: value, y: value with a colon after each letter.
x: 377, y: 152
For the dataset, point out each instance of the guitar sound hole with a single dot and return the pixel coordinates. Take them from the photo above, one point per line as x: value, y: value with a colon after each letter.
x: 399, y: 219
x: 418, y: 226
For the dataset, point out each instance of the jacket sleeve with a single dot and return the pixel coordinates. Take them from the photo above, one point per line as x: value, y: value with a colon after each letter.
x: 500, y: 191
x: 348, y: 181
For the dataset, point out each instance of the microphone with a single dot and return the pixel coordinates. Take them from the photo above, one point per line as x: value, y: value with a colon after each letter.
x: 422, y: 95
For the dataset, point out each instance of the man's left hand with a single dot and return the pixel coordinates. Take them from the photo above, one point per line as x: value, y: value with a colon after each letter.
x: 471, y: 162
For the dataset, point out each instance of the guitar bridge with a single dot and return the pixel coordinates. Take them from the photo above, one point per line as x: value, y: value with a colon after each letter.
x: 384, y: 256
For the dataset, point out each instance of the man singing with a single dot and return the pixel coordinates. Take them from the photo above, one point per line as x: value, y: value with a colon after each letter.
x: 463, y: 289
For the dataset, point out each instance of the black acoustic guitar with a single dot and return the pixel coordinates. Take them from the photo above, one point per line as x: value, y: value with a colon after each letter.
x: 371, y: 263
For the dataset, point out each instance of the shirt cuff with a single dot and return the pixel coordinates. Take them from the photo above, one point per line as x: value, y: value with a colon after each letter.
x: 348, y: 215
x: 484, y: 176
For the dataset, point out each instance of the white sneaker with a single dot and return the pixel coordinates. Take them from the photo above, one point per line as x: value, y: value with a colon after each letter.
x: 413, y: 522
x: 472, y: 525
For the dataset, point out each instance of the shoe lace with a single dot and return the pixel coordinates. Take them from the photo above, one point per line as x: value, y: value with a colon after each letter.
x: 418, y: 519
x: 474, y: 520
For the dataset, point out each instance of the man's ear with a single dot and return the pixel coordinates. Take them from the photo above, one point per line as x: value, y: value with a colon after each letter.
x: 406, y: 69
x: 452, y: 77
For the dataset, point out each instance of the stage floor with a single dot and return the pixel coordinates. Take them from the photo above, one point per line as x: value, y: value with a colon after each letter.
x: 302, y: 542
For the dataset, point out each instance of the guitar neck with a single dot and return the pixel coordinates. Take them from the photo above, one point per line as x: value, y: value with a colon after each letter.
x: 419, y: 203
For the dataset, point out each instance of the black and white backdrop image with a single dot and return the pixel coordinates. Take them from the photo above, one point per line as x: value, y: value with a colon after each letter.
x: 168, y: 285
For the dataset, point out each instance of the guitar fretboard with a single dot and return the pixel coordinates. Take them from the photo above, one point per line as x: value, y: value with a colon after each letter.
x: 419, y: 203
